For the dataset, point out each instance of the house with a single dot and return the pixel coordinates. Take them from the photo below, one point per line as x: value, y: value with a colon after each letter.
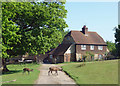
x: 75, y: 45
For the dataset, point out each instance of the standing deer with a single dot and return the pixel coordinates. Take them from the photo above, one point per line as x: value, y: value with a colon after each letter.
x: 27, y: 69
x: 54, y: 69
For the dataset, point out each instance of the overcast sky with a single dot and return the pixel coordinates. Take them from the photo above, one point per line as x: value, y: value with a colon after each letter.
x: 100, y: 17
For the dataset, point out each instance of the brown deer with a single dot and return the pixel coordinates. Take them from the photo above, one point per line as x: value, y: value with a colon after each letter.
x: 81, y: 65
x: 27, y: 69
x: 54, y: 69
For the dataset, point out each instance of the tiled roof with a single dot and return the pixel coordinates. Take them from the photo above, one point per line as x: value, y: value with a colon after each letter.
x: 80, y: 37
x: 60, y: 50
x: 92, y: 38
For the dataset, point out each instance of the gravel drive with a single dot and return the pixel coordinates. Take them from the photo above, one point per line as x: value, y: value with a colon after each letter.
x: 61, y: 78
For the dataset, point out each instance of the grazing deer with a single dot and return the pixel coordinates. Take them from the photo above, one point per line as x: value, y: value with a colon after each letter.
x: 81, y: 65
x: 54, y: 69
x: 27, y: 69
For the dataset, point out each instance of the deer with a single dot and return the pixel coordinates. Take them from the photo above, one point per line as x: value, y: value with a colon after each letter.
x: 81, y: 65
x: 54, y: 69
x: 27, y: 69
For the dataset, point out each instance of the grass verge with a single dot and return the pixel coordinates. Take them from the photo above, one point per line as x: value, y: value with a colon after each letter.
x: 98, y: 72
x: 16, y: 73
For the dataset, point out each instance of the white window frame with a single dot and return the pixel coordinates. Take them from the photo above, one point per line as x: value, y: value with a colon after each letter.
x: 91, y: 47
x: 83, y: 47
x: 100, y: 47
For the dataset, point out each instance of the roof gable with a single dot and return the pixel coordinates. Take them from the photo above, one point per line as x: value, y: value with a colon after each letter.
x: 60, y: 50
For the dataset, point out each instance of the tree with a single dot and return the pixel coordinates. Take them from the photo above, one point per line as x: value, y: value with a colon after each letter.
x: 89, y: 56
x: 84, y: 58
x: 35, y: 27
x: 111, y: 47
x: 9, y: 35
x: 117, y: 40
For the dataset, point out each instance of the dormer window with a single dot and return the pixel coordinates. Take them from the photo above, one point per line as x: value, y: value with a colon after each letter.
x: 100, y: 47
x: 83, y: 47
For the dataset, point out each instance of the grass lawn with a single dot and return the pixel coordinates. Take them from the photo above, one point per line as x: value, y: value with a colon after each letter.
x: 16, y: 72
x: 97, y: 72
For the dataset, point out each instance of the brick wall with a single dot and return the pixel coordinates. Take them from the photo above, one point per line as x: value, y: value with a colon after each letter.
x: 96, y: 52
x: 69, y: 57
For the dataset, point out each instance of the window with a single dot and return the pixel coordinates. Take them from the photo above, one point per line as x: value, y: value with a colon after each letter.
x: 51, y: 56
x: 100, y: 47
x: 68, y: 38
x: 100, y: 57
x: 57, y: 57
x: 83, y: 47
x: 91, y: 47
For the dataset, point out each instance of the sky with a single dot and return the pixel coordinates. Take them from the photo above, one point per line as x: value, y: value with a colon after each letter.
x: 100, y: 17
x: 119, y: 13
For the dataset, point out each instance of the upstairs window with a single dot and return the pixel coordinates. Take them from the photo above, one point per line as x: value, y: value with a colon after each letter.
x: 83, y: 47
x: 100, y: 47
x: 91, y: 47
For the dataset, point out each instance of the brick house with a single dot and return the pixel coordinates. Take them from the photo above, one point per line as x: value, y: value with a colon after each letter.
x: 75, y: 45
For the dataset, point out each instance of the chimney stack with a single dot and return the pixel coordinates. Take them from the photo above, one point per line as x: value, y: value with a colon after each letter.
x: 85, y: 30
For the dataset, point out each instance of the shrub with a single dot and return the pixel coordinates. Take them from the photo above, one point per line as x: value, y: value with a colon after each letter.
x: 96, y: 60
x: 109, y: 57
x: 84, y: 58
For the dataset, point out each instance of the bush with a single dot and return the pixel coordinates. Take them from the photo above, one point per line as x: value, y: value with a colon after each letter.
x: 96, y: 60
x: 80, y: 60
x: 109, y: 57
x: 84, y: 58
x: 88, y: 59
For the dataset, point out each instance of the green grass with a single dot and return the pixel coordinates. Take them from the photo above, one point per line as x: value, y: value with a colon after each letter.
x: 16, y: 72
x: 98, y: 72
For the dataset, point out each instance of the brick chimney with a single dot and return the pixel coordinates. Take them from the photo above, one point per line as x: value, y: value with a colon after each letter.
x: 85, y: 30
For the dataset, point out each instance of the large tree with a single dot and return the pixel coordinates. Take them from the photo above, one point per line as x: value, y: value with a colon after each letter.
x: 111, y: 47
x: 32, y: 27
x: 117, y: 40
x: 9, y: 34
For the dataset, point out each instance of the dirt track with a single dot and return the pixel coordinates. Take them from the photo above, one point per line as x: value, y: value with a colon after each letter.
x: 61, y: 78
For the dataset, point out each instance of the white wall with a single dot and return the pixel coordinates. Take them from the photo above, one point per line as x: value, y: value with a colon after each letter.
x: 78, y: 56
x: 71, y: 49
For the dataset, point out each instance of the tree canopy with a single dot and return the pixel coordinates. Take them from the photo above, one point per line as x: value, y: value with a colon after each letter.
x: 117, y: 40
x: 32, y: 27
x: 111, y: 47
x: 9, y: 32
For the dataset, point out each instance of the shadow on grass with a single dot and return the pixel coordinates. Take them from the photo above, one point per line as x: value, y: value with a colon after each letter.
x: 11, y: 72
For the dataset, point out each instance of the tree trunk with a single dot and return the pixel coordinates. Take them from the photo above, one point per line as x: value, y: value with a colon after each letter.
x: 5, y: 69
